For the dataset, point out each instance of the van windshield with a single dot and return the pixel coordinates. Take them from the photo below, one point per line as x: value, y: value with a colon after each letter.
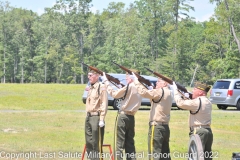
x: 221, y: 85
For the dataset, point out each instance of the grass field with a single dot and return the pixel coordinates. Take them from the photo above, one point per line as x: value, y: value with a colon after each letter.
x: 48, y: 120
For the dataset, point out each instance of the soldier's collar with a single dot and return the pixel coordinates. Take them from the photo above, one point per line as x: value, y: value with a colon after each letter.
x: 94, y: 85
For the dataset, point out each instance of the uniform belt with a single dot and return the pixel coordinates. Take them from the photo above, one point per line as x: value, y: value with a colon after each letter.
x: 155, y: 123
x: 89, y: 114
x: 199, y: 126
x: 126, y: 112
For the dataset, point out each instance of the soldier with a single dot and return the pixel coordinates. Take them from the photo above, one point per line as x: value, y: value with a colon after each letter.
x: 96, y: 108
x: 131, y: 101
x: 159, y: 132
x: 200, y: 115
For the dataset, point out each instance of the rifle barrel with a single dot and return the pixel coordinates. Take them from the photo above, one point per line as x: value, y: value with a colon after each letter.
x: 149, y: 70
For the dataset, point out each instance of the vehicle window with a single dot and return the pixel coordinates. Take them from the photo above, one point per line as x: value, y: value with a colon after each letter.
x: 221, y: 85
x: 237, y: 85
x: 123, y: 81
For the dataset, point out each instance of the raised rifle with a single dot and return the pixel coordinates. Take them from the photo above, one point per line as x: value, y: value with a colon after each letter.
x: 111, y: 79
x: 180, y: 87
x: 141, y: 79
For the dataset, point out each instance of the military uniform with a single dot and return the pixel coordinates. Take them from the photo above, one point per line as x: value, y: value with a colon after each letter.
x: 199, y: 119
x: 159, y: 132
x: 96, y: 108
x: 125, y: 121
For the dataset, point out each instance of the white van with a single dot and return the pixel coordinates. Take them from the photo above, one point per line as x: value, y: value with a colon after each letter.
x: 115, y: 103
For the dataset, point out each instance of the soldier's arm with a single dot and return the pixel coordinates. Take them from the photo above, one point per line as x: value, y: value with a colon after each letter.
x: 103, y: 102
x: 119, y: 93
x: 191, y: 104
x: 144, y: 92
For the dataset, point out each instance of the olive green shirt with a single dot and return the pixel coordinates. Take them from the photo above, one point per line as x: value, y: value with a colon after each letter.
x: 97, y: 100
x: 132, y: 101
x: 159, y: 112
x: 203, y: 117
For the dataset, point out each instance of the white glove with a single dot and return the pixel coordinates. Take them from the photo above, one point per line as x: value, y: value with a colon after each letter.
x: 150, y: 87
x: 186, y: 95
x: 119, y: 86
x: 133, y: 76
x: 101, y: 123
x: 104, y: 78
x: 174, y: 86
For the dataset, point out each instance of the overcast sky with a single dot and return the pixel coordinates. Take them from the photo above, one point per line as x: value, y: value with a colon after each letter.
x: 203, y: 9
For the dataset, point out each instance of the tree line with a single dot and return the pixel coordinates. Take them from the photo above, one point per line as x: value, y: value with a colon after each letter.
x: 158, y: 34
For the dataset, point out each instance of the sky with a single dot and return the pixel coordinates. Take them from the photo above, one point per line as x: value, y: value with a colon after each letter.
x: 203, y: 9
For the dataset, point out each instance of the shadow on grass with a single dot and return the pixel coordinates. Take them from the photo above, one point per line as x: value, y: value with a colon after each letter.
x: 230, y: 110
x: 144, y: 108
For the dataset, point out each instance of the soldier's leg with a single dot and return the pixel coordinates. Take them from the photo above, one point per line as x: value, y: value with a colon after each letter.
x: 88, y: 135
x: 208, y: 145
x: 157, y: 142
x: 206, y: 139
x: 165, y: 145
x: 97, y: 137
x: 130, y: 147
x: 121, y: 130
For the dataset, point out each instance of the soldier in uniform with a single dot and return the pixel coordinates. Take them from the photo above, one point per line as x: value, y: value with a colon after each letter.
x: 96, y: 108
x: 200, y: 115
x: 159, y: 132
x: 131, y: 101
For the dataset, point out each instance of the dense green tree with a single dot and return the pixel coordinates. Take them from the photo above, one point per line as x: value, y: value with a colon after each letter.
x: 158, y: 34
x: 5, y: 36
x: 76, y: 14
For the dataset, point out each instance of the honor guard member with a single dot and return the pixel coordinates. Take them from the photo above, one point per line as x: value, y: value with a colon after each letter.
x: 131, y: 101
x: 159, y: 132
x: 96, y: 108
x: 200, y: 115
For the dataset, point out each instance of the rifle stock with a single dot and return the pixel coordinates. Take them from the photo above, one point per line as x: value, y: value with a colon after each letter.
x: 140, y: 78
x: 180, y: 87
x: 113, y: 80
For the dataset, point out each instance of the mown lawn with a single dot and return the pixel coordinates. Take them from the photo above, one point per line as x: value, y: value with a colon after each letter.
x: 48, y: 120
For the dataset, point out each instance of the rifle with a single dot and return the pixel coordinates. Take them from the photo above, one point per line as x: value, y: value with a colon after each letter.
x: 112, y: 79
x: 141, y: 79
x: 180, y: 87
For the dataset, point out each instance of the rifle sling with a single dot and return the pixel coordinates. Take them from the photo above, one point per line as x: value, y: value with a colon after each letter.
x: 125, y: 93
x: 160, y: 97
x: 200, y: 104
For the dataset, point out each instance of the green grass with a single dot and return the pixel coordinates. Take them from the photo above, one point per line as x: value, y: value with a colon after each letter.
x: 57, y: 123
x: 41, y: 96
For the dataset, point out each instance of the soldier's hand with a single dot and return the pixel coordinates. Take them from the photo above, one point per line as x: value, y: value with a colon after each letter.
x: 174, y: 86
x: 104, y: 79
x: 150, y: 87
x: 186, y: 95
x: 133, y: 76
x: 119, y: 86
x: 101, y: 123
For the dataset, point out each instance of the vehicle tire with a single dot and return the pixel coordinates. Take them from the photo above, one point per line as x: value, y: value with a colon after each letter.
x: 117, y: 104
x: 222, y: 107
x: 238, y: 105
x: 195, y: 150
x: 219, y: 106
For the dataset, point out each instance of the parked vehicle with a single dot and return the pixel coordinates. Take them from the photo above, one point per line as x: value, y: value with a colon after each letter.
x: 226, y: 93
x: 115, y: 103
